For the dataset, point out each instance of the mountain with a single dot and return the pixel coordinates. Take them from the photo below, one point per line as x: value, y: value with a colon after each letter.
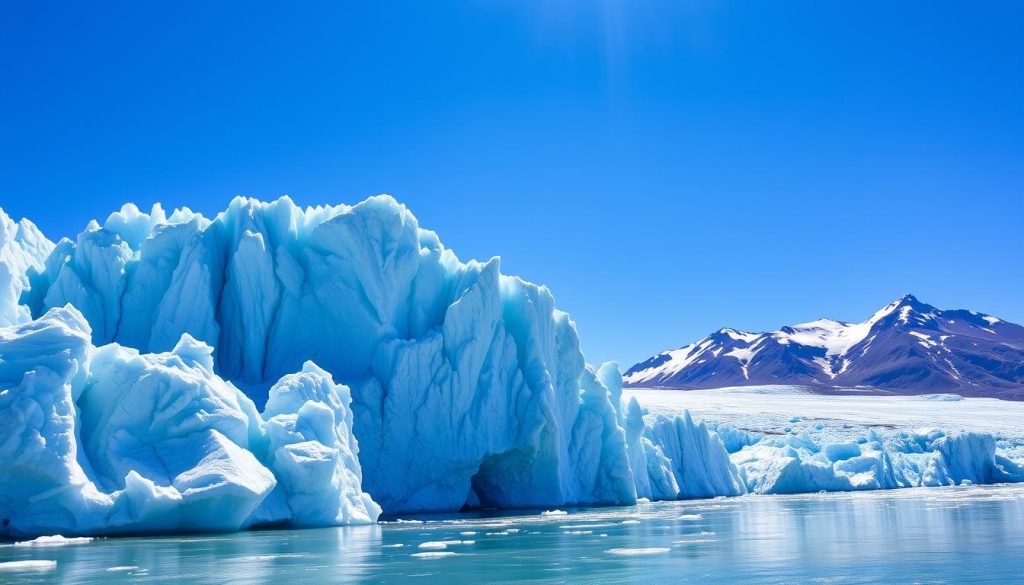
x: 908, y: 347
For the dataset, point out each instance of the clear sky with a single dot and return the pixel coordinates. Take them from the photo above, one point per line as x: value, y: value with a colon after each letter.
x: 667, y: 168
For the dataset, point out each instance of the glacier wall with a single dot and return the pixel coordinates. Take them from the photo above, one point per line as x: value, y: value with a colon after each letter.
x: 801, y: 463
x: 468, y: 386
x: 134, y: 361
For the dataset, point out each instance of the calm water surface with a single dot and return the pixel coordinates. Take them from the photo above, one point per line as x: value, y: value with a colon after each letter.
x: 939, y: 535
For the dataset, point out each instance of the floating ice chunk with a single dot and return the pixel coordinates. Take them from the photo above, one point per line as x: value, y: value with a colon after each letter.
x: 455, y: 542
x: 434, y: 545
x: 28, y: 565
x: 55, y: 540
x: 690, y: 517
x: 553, y: 513
x: 123, y: 568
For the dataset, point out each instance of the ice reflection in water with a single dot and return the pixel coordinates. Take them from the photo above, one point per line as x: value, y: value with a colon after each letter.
x: 945, y: 535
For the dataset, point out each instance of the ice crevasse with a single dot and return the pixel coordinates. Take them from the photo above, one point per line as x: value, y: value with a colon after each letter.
x: 280, y: 365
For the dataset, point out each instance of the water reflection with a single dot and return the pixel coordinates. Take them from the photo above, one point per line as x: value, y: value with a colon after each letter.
x: 955, y: 535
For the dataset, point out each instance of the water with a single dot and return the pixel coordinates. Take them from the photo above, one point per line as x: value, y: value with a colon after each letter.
x: 927, y: 536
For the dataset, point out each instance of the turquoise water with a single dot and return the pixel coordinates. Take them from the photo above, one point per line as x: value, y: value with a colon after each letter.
x: 938, y: 535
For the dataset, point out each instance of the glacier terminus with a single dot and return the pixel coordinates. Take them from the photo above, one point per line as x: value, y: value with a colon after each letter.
x: 281, y: 366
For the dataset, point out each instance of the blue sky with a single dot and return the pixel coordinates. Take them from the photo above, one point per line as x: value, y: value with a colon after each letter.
x: 667, y: 168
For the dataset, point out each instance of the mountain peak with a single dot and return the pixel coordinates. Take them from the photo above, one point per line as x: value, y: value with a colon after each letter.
x: 904, y: 306
x: 909, y: 300
x: 907, y: 346
x: 735, y: 334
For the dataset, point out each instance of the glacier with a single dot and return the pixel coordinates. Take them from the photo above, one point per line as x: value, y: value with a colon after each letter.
x: 136, y: 358
x: 278, y: 365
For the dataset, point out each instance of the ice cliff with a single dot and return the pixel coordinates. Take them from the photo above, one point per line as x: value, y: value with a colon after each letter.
x: 136, y: 359
x: 467, y: 386
x: 930, y: 458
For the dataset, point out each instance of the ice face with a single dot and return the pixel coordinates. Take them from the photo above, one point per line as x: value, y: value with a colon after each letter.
x: 854, y: 442
x: 799, y: 465
x: 698, y: 459
x: 463, y: 385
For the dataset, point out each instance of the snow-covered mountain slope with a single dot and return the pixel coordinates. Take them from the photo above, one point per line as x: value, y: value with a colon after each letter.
x: 907, y: 347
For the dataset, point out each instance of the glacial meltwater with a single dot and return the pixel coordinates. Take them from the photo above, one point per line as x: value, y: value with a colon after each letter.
x: 967, y: 534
